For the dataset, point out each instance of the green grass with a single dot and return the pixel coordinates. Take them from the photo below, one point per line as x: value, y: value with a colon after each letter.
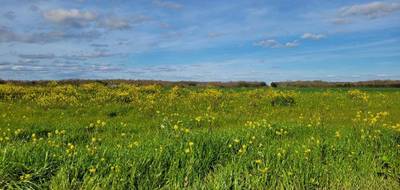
x: 198, y: 138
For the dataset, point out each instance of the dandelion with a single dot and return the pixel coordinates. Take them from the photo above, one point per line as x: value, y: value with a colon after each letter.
x: 198, y: 118
x: 176, y: 127
x: 337, y: 134
x: 263, y: 170
x: 71, y: 146
x: 34, y: 137
x: 18, y: 131
x: 70, y: 149
x: 92, y: 170
x: 25, y: 177
x: 258, y: 161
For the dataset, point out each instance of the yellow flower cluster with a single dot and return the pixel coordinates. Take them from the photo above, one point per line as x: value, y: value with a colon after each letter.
x: 71, y: 150
x: 371, y: 119
x: 7, y: 134
x: 97, y: 125
x: 358, y: 95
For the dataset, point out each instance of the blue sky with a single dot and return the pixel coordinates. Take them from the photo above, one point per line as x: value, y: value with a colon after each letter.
x: 266, y: 40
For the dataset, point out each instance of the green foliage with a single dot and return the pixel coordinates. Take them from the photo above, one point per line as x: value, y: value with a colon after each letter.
x: 93, y: 136
x: 282, y: 98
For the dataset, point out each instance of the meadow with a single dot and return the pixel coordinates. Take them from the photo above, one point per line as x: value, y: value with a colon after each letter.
x: 93, y: 136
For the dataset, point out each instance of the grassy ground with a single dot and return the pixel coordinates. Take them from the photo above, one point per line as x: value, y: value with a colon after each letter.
x: 126, y: 137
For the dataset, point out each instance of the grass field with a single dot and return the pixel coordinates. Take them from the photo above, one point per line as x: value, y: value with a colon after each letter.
x: 90, y: 136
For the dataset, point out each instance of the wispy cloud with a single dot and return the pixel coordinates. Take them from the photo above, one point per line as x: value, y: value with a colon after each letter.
x: 90, y: 19
x: 88, y: 55
x: 272, y: 43
x: 167, y: 4
x: 73, y: 17
x: 8, y: 35
x: 114, y: 23
x: 74, y: 56
x: 370, y: 10
x: 268, y: 43
x: 312, y: 36
x: 165, y: 39
x: 37, y: 56
x: 10, y: 15
x: 341, y: 21
x: 215, y: 34
x: 99, y: 45
x: 294, y: 43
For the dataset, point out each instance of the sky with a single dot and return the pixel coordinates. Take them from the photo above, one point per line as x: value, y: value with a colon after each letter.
x: 225, y: 40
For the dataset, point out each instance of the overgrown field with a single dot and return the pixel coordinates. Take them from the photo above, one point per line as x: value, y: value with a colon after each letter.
x: 90, y: 136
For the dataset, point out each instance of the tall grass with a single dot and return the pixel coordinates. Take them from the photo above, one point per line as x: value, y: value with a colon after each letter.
x: 92, y: 136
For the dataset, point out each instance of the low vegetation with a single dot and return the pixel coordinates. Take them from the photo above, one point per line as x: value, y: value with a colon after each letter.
x: 324, y: 84
x: 93, y: 135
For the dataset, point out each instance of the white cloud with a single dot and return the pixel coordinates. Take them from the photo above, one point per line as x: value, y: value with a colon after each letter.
x: 311, y: 36
x: 268, y: 43
x: 79, y: 18
x: 294, y: 43
x: 271, y: 43
x: 71, y: 16
x: 371, y: 10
